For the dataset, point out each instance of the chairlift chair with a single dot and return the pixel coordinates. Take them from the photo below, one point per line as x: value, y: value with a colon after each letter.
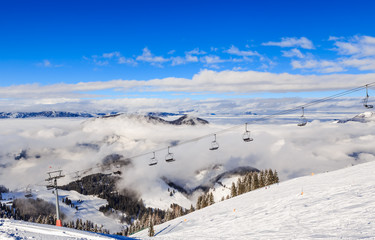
x: 169, y: 157
x: 214, y: 144
x: 365, y: 100
x: 153, y: 160
x: 303, y: 120
x: 246, y: 136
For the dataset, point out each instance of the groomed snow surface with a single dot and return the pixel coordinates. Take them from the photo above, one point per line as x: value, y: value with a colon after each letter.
x: 332, y: 205
x: 19, y: 230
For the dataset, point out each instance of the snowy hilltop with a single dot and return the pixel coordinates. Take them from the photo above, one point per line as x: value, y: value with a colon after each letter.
x: 362, y: 117
x: 154, y: 119
x: 332, y: 205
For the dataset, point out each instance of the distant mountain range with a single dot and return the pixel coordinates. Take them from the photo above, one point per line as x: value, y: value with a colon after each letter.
x: 47, y: 114
x: 183, y: 120
x: 65, y: 114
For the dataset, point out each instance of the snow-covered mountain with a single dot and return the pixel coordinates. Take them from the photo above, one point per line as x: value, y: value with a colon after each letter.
x: 332, y: 205
x: 362, y: 117
x: 46, y: 114
x: 181, y: 120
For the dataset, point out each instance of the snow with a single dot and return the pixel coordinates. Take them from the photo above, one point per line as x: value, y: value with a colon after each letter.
x: 162, y: 199
x: 19, y: 230
x: 88, y: 208
x: 331, y: 205
x: 220, y: 191
x: 292, y: 151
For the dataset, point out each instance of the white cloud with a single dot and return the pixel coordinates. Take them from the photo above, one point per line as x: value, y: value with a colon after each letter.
x: 293, y: 53
x: 147, y: 56
x: 356, y: 52
x: 292, y: 42
x: 211, y: 59
x: 235, y: 51
x: 47, y: 64
x: 178, y: 60
x: 100, y: 62
x: 183, y: 60
x: 213, y: 49
x: 323, y: 66
x: 196, y: 51
x: 218, y: 82
x: 318, y: 147
x: 334, y: 38
x: 357, y: 46
x: 362, y: 64
x: 360, y: 52
x: 190, y: 58
x: 111, y: 55
x: 123, y: 60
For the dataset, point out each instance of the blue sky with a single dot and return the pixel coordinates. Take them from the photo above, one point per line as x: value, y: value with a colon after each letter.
x: 45, y: 44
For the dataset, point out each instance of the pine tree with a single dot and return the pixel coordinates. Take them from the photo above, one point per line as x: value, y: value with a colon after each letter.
x: 80, y: 224
x: 271, y: 178
x: 205, y: 200
x: 191, y: 208
x: 151, y: 231
x: 261, y: 179
x: 168, y: 215
x: 275, y: 177
x: 199, y: 203
x: 248, y: 182
x: 39, y: 219
x: 233, y: 190
x: 211, y: 199
x: 240, y: 186
x: 255, y: 182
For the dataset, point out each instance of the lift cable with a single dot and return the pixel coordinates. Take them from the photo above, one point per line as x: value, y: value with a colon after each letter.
x: 279, y: 113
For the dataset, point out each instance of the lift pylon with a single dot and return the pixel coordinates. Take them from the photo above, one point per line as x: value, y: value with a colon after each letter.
x: 53, y: 176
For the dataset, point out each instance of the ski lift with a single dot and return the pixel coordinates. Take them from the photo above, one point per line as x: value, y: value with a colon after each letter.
x: 303, y: 120
x: 246, y: 136
x: 169, y: 157
x: 214, y: 144
x: 153, y: 161
x: 365, y: 100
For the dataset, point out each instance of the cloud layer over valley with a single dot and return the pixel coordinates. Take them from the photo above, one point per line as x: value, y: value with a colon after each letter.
x: 31, y: 147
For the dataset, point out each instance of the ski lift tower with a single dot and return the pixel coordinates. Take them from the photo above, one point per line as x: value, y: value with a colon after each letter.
x: 54, y: 175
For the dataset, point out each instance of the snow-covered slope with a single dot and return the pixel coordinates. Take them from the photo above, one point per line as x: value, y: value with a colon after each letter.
x: 331, y: 205
x: 20, y: 230
x: 88, y: 206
